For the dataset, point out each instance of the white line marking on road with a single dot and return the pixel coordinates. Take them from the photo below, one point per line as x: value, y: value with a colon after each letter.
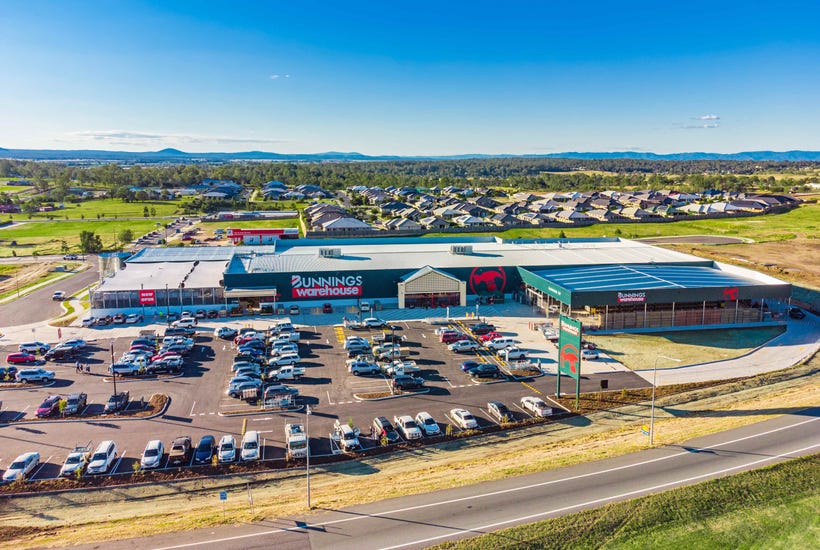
x: 201, y: 414
x: 261, y: 419
x: 212, y: 413
x: 528, y: 413
x: 329, y: 400
x: 192, y: 408
x: 388, y: 513
x: 43, y: 463
x: 117, y: 465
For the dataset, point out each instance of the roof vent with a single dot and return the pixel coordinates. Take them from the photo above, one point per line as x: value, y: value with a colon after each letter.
x: 330, y: 252
x: 461, y: 249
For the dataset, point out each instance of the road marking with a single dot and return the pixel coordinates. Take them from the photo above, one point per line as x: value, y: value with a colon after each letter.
x: 557, y: 404
x: 533, y: 389
x: 261, y: 419
x: 525, y: 411
x: 37, y: 471
x: 117, y: 465
x: 201, y: 414
x: 329, y: 400
x: 502, y: 491
x: 192, y: 408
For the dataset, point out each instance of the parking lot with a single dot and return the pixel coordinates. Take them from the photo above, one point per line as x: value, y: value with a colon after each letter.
x: 200, y: 406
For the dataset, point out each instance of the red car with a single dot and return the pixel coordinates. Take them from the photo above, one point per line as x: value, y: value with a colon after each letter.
x: 50, y: 406
x: 163, y: 355
x: 144, y: 347
x: 490, y: 336
x: 20, y: 358
x: 450, y: 337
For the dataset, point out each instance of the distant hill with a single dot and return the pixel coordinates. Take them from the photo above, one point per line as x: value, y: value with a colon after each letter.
x: 175, y: 155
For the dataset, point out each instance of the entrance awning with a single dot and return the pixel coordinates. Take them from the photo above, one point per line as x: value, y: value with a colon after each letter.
x: 249, y: 292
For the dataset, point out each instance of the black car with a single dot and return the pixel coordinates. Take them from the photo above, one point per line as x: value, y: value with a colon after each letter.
x: 117, y: 402
x: 176, y: 331
x: 797, y: 313
x: 171, y: 317
x: 383, y: 428
x: 250, y: 358
x: 212, y: 314
x: 161, y: 366
x: 482, y: 328
x: 60, y: 353
x: 75, y: 403
x: 7, y: 374
x: 407, y: 382
x: 205, y: 449
x: 484, y: 370
x: 104, y: 320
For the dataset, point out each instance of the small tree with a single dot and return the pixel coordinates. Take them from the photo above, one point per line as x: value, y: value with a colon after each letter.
x: 125, y: 236
x: 90, y: 243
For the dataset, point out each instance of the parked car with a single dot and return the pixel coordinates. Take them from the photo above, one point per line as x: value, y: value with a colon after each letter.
x: 499, y: 411
x: 21, y: 467
x: 239, y: 389
x: 451, y: 337
x: 119, y: 319
x: 152, y: 455
x: 536, y: 406
x: 117, y: 402
x: 227, y: 449
x: 33, y: 347
x: 467, y: 365
x: 482, y: 328
x: 205, y: 449
x: 124, y: 369
x: 103, y: 458
x: 76, y: 461
x: 427, y: 423
x: 27, y: 376
x: 293, y: 310
x: 383, y: 428
x: 226, y: 333
x: 589, y: 354
x: 250, y: 446
x: 76, y: 343
x: 133, y: 318
x: 180, y: 452
x: 75, y: 403
x: 212, y: 314
x: 374, y: 322
x: 406, y: 382
x: 513, y: 354
x: 797, y: 313
x: 185, y: 322
x: 20, y: 358
x: 489, y: 336
x: 407, y: 427
x: 327, y: 308
x: 363, y: 367
x: 462, y: 346
x: 485, y: 370
x: 200, y: 314
x: 60, y: 353
x: 463, y: 419
x: 355, y: 341
x: 168, y: 365
x: 89, y: 321
x: 49, y: 406
x: 172, y: 316
x: 364, y: 307
x: 7, y: 374
x: 284, y: 359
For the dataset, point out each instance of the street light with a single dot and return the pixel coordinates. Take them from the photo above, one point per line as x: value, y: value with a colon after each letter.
x: 307, y: 459
x: 113, y: 370
x: 654, y: 383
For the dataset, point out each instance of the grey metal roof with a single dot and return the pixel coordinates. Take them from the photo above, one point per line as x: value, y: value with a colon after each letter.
x: 641, y: 277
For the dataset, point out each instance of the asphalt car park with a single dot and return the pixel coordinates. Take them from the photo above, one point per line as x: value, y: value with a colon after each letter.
x: 199, y: 405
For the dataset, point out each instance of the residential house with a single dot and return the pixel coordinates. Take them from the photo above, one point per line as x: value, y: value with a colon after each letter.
x: 346, y: 225
x: 570, y: 217
x: 605, y: 215
x: 507, y: 220
x: 402, y: 224
x: 434, y: 223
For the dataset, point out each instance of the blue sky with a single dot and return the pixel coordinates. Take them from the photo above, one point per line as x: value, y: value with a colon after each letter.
x: 411, y: 77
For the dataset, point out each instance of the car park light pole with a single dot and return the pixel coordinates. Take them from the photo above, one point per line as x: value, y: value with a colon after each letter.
x: 655, y: 383
x: 113, y: 370
x: 307, y: 456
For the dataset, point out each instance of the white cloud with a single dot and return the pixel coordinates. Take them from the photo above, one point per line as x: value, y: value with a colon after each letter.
x: 708, y: 117
x: 125, y: 137
x: 701, y: 126
x: 276, y: 76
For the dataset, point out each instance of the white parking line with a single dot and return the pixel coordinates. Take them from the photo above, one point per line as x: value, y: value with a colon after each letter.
x: 525, y: 411
x: 556, y: 403
x: 117, y: 465
x: 488, y: 415
x: 329, y: 400
x: 192, y: 408
x: 43, y: 463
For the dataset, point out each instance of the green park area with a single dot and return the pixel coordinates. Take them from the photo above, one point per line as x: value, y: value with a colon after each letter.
x: 110, y: 208
x: 47, y: 237
x: 775, y: 507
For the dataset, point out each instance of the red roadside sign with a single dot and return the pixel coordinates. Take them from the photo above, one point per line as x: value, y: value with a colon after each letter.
x: 148, y: 297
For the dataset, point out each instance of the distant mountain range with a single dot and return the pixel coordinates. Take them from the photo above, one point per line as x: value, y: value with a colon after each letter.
x: 177, y: 156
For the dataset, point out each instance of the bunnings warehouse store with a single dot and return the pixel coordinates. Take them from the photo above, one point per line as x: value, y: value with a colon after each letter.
x: 609, y: 283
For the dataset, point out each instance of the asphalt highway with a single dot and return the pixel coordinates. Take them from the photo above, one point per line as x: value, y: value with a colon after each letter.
x: 421, y: 520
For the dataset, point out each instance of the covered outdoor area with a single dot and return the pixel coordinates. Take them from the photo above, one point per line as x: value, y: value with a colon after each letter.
x: 619, y: 297
x: 430, y: 288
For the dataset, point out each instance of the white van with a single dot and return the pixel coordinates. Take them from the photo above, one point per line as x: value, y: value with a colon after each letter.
x: 103, y: 458
x: 250, y: 446
x: 501, y: 343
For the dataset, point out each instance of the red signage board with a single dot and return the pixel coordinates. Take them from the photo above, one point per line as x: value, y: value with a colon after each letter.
x: 148, y: 297
x: 326, y: 287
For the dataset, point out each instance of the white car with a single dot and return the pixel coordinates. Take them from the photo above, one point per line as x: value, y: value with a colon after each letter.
x: 35, y: 375
x: 74, y: 462
x: 133, y: 318
x: 34, y: 347
x: 21, y: 467
x: 283, y: 348
x: 89, y: 321
x: 536, y: 406
x: 152, y: 455
x: 463, y: 419
x: 513, y: 354
x: 58, y: 296
x: 463, y: 345
x: 500, y: 343
x: 374, y: 322
x: 185, y: 322
x: 284, y: 360
x: 364, y: 307
x: 589, y: 354
x: 76, y: 343
x: 227, y: 449
x: 427, y: 423
x: 355, y: 341
x: 407, y: 427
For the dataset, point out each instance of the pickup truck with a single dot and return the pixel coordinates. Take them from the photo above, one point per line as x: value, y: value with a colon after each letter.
x: 180, y: 452
x: 296, y: 441
x: 397, y: 368
x: 286, y: 373
x: 388, y: 337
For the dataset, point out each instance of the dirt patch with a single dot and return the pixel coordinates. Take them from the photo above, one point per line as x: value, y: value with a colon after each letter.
x: 25, y: 274
x: 694, y: 239
x: 796, y: 260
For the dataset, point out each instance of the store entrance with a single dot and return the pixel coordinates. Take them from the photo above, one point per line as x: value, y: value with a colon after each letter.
x: 432, y: 300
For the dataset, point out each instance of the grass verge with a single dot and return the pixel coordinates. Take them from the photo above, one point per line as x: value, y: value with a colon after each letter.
x: 638, y: 351
x: 773, y: 507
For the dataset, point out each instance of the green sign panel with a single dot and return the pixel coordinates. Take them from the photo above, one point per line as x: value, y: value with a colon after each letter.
x: 569, y: 347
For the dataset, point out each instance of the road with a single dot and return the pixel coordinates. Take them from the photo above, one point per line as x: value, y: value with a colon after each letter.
x: 421, y: 520
x: 39, y: 307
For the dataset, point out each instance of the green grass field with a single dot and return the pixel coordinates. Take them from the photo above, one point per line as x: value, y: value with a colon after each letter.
x: 804, y: 220
x: 775, y: 507
x: 109, y: 208
x: 46, y: 237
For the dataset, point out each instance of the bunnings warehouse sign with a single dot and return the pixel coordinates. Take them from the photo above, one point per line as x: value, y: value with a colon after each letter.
x: 569, y: 347
x: 334, y: 286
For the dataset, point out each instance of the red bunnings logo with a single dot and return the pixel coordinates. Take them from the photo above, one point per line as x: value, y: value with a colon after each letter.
x: 326, y: 287
x: 569, y: 358
x: 488, y: 280
x: 730, y: 293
